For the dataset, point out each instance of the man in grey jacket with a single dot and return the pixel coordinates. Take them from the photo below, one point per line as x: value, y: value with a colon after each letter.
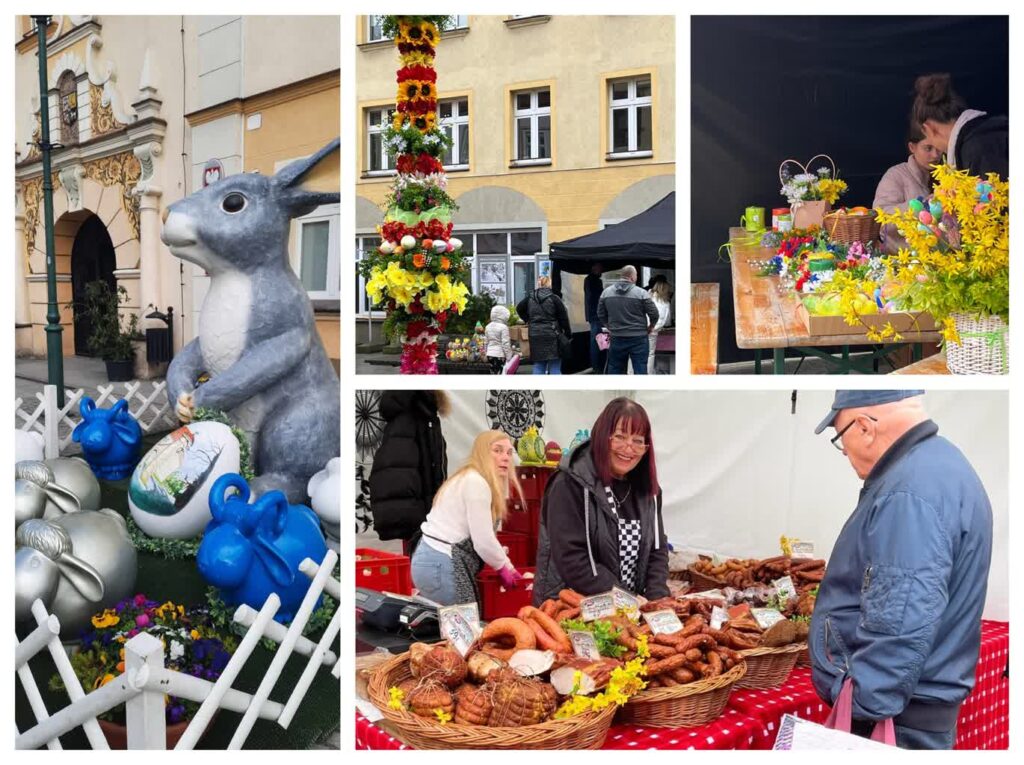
x: 629, y: 314
x: 899, y: 610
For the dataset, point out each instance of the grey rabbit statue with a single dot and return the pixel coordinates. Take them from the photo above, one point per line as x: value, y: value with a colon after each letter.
x: 257, y: 340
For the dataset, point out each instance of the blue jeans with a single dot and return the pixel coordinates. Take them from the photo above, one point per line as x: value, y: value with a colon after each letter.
x: 597, y: 356
x: 549, y: 367
x: 433, y: 574
x: 631, y: 349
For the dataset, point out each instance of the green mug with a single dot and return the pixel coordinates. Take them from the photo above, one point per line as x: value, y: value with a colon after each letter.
x: 753, y: 219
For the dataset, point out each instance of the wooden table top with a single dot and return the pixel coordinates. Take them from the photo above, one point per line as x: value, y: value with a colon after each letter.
x: 704, y: 329
x: 933, y: 365
x: 766, y: 319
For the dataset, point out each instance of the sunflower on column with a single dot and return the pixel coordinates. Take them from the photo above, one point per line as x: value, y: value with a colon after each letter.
x: 419, y: 271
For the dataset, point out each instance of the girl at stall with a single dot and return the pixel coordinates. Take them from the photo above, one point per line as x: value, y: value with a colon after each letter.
x: 601, y: 521
x: 905, y: 181
x: 458, y: 534
x: 972, y: 140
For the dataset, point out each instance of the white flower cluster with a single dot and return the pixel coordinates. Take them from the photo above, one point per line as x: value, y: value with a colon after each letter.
x: 440, y: 180
x: 799, y: 187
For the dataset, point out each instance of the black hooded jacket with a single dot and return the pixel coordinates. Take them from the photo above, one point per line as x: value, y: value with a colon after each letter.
x: 983, y: 146
x: 579, y: 536
x: 409, y: 466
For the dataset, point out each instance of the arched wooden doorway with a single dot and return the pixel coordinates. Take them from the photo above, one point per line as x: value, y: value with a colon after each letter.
x: 92, y: 259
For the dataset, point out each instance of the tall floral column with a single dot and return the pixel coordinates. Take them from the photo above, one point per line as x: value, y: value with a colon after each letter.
x: 418, y: 273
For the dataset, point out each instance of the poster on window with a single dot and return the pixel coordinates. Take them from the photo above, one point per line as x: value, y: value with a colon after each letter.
x: 494, y: 272
x: 544, y: 268
x: 496, y: 291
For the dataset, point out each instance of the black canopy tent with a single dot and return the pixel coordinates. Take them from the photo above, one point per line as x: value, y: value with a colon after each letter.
x: 646, y: 239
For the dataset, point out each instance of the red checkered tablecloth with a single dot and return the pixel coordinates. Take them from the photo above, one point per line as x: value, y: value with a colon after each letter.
x: 733, y: 730
x: 796, y: 697
x: 985, y: 715
x: 751, y: 719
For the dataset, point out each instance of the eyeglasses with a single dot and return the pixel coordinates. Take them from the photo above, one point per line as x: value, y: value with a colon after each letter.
x: 835, y: 440
x: 636, y: 444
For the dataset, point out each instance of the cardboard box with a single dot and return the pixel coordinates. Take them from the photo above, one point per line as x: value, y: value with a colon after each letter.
x: 520, y: 335
x: 835, y: 325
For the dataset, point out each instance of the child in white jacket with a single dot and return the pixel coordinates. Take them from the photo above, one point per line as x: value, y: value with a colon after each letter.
x: 499, y: 343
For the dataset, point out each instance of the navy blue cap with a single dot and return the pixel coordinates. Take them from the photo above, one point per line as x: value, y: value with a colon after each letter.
x: 855, y: 399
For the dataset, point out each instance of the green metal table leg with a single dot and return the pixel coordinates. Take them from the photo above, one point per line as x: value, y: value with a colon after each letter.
x: 779, y: 361
x: 917, y: 352
x: 757, y: 361
x: 846, y: 360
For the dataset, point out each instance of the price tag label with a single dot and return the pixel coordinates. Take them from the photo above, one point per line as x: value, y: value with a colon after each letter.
x: 785, y: 588
x: 456, y: 629
x: 719, y: 616
x: 803, y: 549
x: 597, y: 606
x: 766, y: 617
x: 625, y: 600
x: 663, y: 622
x: 707, y: 594
x: 584, y: 645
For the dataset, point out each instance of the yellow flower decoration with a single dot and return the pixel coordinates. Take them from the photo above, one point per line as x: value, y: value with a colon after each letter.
x: 442, y: 717
x: 396, y: 695
x: 101, y: 681
x: 831, y: 189
x: 425, y: 122
x: 108, y: 618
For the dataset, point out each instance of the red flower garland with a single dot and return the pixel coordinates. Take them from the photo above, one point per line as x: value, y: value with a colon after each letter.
x: 417, y: 72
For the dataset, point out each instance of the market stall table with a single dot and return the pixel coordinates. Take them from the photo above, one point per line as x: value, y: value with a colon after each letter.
x: 704, y: 329
x: 796, y: 697
x: 933, y: 365
x: 767, y: 319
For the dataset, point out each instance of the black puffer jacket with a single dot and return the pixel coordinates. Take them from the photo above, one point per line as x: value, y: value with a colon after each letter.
x: 983, y: 146
x: 410, y: 465
x: 579, y: 536
x: 545, y: 312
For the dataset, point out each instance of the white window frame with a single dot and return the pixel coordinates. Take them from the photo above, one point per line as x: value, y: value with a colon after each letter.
x: 631, y: 103
x: 332, y: 215
x: 363, y: 309
x: 453, y: 122
x: 461, y: 22
x: 469, y: 233
x: 371, y: 130
x: 534, y: 113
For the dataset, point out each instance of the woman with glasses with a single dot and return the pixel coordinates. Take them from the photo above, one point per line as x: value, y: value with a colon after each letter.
x: 601, y: 521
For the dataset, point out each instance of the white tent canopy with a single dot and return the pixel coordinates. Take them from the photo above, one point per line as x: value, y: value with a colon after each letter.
x: 741, y: 468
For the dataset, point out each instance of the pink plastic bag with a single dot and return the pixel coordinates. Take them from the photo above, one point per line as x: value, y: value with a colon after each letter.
x: 512, y: 365
x: 841, y: 717
x: 603, y: 340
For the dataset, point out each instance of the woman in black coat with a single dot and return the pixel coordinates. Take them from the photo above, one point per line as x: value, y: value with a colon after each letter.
x: 545, y: 312
x: 410, y: 464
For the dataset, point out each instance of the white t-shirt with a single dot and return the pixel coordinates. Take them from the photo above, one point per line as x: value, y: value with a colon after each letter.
x: 463, y: 511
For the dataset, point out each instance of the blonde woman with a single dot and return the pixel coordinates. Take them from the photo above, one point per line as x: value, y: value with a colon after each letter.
x: 458, y: 534
x: 661, y: 293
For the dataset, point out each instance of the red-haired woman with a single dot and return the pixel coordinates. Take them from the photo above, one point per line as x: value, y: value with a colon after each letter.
x: 601, y: 516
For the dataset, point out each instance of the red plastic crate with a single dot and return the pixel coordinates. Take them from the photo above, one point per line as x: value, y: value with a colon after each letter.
x: 520, y: 547
x: 533, y: 479
x: 380, y: 570
x: 496, y: 601
x: 522, y: 518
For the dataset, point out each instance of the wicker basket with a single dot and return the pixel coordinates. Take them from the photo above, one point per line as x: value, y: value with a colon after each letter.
x: 584, y: 731
x: 702, y: 582
x: 847, y: 229
x: 984, y: 347
x: 768, y: 667
x: 803, y: 659
x: 684, y: 706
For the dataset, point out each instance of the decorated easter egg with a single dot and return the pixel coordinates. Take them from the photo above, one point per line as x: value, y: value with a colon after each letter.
x: 531, y: 446
x: 925, y: 217
x: 428, y: 244
x: 386, y: 247
x: 440, y: 245
x: 455, y: 243
x: 408, y: 241
x: 916, y: 205
x: 935, y: 207
x: 553, y: 452
x: 170, y: 487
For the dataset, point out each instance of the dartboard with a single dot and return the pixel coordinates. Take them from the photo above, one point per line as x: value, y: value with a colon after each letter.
x: 369, y: 423
x: 513, y: 411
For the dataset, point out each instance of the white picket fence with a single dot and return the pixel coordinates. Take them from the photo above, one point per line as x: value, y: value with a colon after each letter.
x: 146, y: 680
x: 152, y: 411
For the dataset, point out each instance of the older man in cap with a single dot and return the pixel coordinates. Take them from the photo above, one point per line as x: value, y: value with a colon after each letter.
x: 899, y: 610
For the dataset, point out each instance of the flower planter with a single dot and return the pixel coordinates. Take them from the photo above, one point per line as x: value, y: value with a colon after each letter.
x: 120, y: 370
x: 984, y: 347
x: 117, y: 734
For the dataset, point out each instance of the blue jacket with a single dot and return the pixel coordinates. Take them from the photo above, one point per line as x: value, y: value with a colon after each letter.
x: 899, y: 609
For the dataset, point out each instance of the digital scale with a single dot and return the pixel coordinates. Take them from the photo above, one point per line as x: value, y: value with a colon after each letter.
x: 394, y: 621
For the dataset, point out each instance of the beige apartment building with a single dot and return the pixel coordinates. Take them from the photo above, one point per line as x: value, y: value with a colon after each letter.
x: 561, y: 125
x: 146, y: 108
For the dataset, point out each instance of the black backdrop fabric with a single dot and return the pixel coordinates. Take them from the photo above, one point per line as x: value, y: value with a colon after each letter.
x: 768, y: 88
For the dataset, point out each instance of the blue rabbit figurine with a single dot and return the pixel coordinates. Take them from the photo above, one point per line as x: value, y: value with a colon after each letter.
x: 111, y: 439
x: 249, y: 551
x: 257, y: 344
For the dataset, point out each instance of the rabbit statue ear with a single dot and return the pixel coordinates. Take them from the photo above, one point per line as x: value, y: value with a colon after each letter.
x: 83, y: 577
x: 120, y: 408
x: 298, y: 200
x: 86, y: 407
x: 65, y: 499
x: 219, y: 493
x: 274, y: 562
